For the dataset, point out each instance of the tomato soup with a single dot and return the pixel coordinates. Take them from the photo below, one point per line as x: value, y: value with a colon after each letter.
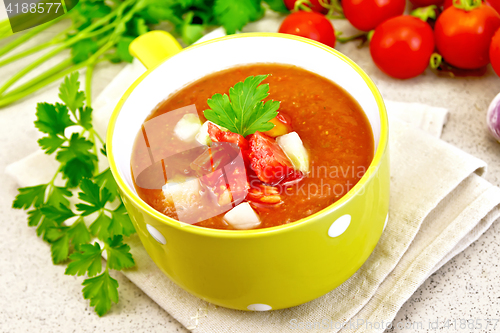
x: 333, y: 128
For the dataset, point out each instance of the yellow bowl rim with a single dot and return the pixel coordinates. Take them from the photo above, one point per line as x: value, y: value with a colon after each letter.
x: 374, y: 165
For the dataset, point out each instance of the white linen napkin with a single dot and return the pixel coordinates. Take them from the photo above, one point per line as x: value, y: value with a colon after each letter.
x: 439, y: 206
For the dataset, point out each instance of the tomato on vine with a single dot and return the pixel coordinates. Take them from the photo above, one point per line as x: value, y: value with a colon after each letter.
x: 366, y: 15
x: 402, y: 46
x: 311, y: 25
x: 463, y: 35
x: 495, y: 52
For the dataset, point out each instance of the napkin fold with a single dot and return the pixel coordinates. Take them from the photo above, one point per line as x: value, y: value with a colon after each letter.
x: 439, y: 206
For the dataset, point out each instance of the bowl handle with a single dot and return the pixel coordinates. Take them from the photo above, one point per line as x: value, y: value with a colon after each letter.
x: 154, y: 47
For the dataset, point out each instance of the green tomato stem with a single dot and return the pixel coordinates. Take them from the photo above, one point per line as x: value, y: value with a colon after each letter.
x: 425, y: 13
x: 350, y: 38
x: 467, y: 5
x: 302, y: 5
x: 435, y: 60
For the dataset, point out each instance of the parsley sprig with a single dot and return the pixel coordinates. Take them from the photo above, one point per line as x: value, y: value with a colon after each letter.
x: 244, y: 111
x: 80, y: 233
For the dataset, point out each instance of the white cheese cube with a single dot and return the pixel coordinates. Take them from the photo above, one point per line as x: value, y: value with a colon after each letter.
x: 187, y: 128
x: 292, y: 146
x: 242, y: 217
x: 203, y: 137
x: 183, y: 194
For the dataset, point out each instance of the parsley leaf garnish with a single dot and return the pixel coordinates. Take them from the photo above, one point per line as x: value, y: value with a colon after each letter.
x: 101, y: 290
x: 119, y: 256
x: 98, y: 212
x: 234, y: 15
x: 88, y: 261
x: 30, y: 196
x: 244, y: 111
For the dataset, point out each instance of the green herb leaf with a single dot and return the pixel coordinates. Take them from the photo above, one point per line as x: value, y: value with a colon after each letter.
x: 54, y: 233
x: 34, y: 217
x: 87, y: 261
x: 52, y: 119
x: 50, y: 143
x: 234, y: 15
x: 120, y: 223
x: 79, y: 233
x: 277, y: 6
x: 106, y: 179
x: 30, y: 196
x: 84, y: 116
x: 77, y: 159
x: 60, y: 249
x: 140, y: 27
x: 69, y: 91
x: 122, y: 49
x: 100, y: 226
x: 57, y: 214
x: 191, y: 32
x: 119, y: 256
x: 244, y: 112
x: 44, y: 225
x: 59, y: 195
x: 101, y: 290
x: 83, y: 49
x: 94, y: 195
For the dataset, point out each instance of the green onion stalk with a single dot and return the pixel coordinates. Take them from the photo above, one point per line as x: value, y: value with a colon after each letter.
x: 104, y: 34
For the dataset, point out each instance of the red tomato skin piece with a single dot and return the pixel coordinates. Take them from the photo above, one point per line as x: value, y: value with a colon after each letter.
x: 402, y: 46
x: 315, y: 6
x: 310, y: 25
x: 366, y: 15
x: 495, y: 52
x: 267, y: 160
x: 463, y: 37
x: 217, y: 135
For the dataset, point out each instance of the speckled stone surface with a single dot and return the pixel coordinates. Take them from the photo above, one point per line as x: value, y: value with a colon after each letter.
x: 37, y: 297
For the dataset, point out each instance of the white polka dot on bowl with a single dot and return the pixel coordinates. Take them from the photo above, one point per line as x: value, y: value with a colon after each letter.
x: 339, y: 226
x: 156, y: 234
x: 259, y: 307
x: 385, y: 224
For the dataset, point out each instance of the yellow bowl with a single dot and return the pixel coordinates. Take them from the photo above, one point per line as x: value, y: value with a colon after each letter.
x: 262, y: 269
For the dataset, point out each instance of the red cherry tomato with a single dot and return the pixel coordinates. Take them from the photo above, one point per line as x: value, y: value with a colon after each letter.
x: 310, y: 25
x: 463, y: 37
x: 495, y: 4
x: 315, y: 5
x: 425, y: 3
x: 495, y: 52
x: 402, y: 46
x: 366, y: 15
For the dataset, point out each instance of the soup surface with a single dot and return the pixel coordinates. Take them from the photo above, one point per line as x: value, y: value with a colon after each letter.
x: 332, y: 126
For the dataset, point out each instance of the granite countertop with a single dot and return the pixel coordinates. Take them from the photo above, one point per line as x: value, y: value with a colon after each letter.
x: 37, y: 296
